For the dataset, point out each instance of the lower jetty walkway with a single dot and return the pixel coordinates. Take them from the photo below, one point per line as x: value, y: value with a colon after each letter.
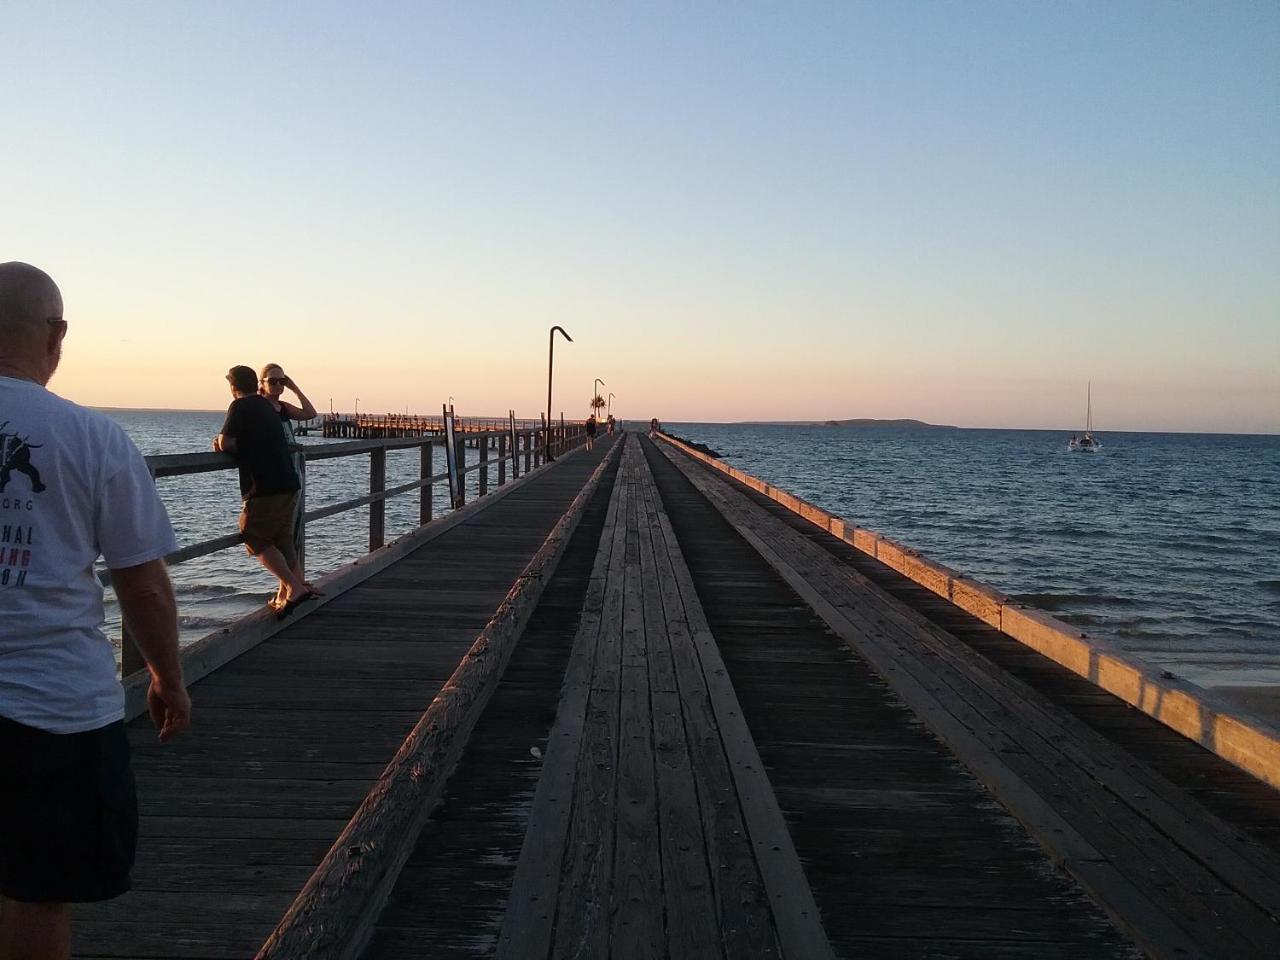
x: 636, y: 708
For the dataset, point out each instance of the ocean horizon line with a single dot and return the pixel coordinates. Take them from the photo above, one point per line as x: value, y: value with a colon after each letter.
x: 871, y: 423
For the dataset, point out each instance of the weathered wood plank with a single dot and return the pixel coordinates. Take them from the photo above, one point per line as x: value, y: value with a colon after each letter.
x: 528, y: 925
x: 742, y: 905
x: 582, y: 929
x: 796, y: 917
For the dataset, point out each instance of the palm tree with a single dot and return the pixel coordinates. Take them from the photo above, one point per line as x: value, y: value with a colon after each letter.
x: 596, y: 403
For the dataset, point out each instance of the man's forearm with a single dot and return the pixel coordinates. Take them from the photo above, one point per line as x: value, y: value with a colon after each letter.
x: 150, y: 612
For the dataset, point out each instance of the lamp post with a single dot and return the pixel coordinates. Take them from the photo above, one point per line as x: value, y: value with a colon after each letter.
x: 357, y: 406
x: 551, y: 356
x: 609, y: 412
x: 595, y: 392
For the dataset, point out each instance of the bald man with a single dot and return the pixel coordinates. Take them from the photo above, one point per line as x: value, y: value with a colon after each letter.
x: 73, y: 487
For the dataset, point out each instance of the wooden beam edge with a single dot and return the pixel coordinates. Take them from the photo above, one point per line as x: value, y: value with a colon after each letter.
x: 334, y: 913
x: 1247, y: 741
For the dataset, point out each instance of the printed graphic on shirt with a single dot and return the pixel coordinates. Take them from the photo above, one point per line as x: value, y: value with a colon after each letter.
x: 16, y: 537
x: 15, y: 454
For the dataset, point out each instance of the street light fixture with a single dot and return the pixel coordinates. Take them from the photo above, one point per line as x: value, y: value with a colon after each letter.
x: 595, y: 392
x: 551, y: 356
x: 609, y: 412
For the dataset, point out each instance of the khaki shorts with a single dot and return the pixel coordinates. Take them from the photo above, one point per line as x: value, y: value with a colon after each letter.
x: 268, y: 522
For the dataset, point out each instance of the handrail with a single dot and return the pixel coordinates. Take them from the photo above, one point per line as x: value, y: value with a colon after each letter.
x: 510, y: 444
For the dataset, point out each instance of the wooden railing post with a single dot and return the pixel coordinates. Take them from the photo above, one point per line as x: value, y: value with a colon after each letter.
x: 502, y: 459
x: 460, y: 454
x: 424, y: 471
x: 300, y: 516
x: 377, y: 509
x: 482, y: 444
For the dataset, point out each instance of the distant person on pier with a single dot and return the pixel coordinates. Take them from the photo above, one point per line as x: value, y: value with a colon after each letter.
x: 268, y: 484
x: 611, y: 425
x: 272, y: 383
x: 654, y: 427
x: 591, y: 431
x: 68, y: 812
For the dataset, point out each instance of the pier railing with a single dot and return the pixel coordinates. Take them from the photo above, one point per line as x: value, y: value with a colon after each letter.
x: 503, y: 455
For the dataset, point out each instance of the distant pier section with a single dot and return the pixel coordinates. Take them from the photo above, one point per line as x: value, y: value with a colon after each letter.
x: 367, y: 426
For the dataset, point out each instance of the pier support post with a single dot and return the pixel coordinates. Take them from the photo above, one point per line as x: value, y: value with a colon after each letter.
x: 502, y: 459
x: 424, y: 494
x: 482, y: 443
x: 460, y: 454
x: 377, y: 509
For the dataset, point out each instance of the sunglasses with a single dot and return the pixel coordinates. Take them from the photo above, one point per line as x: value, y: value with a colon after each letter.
x: 276, y: 381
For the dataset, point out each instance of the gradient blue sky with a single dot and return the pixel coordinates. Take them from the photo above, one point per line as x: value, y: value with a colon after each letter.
x: 954, y: 211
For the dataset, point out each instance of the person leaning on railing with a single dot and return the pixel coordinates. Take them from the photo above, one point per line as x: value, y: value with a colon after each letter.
x: 268, y: 485
x: 68, y: 812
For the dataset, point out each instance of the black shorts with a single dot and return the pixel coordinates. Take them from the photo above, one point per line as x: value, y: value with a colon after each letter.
x: 68, y: 814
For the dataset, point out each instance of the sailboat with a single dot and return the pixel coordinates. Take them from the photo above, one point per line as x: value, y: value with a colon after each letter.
x: 1086, y: 442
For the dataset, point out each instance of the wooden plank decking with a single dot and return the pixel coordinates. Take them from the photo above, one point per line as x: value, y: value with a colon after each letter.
x: 288, y: 738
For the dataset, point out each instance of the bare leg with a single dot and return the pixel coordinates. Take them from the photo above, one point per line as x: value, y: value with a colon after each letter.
x: 273, y: 560
x: 34, y: 931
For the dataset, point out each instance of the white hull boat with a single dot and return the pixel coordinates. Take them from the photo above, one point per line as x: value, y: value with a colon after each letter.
x: 1086, y: 442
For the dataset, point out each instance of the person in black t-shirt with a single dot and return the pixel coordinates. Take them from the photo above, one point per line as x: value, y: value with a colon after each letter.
x: 268, y: 483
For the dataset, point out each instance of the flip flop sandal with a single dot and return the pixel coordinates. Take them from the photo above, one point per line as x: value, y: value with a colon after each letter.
x: 292, y: 605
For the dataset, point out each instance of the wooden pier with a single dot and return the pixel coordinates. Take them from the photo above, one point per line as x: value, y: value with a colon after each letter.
x: 629, y: 706
x: 365, y: 426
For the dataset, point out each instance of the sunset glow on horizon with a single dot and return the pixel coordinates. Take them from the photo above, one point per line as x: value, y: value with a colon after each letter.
x: 955, y: 213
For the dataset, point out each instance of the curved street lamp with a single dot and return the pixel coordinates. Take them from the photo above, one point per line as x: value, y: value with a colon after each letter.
x: 595, y: 392
x: 551, y: 356
x: 609, y: 412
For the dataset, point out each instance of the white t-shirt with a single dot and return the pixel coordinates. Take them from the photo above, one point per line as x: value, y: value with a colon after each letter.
x: 73, y: 487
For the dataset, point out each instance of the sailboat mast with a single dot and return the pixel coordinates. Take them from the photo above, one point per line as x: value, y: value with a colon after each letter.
x: 1088, y: 416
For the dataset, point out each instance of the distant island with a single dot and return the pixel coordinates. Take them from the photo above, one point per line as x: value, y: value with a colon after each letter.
x: 856, y: 422
x: 869, y: 422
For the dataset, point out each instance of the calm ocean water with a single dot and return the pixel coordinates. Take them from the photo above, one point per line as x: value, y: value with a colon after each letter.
x: 1169, y: 544
x: 214, y: 590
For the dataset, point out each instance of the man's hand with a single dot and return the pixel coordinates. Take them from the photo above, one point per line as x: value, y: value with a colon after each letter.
x: 169, y: 706
x: 224, y: 444
x: 151, y: 614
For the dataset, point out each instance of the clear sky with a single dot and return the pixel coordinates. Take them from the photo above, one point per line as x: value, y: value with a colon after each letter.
x: 959, y: 212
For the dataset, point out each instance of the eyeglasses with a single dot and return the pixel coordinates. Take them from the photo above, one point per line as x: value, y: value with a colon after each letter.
x: 276, y: 381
